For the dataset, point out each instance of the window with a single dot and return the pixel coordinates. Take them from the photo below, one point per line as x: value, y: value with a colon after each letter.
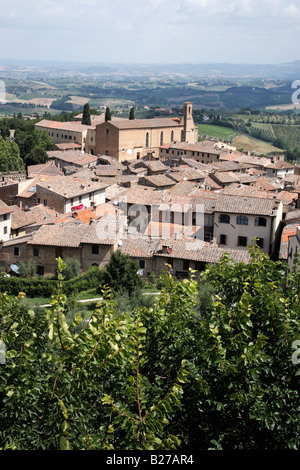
x: 260, y: 242
x: 80, y: 199
x: 260, y: 222
x: 147, y: 139
x: 5, y: 217
x: 186, y: 264
x: 45, y: 202
x: 224, y: 219
x: 16, y: 251
x: 242, y: 241
x: 5, y: 230
x: 182, y: 136
x: 172, y: 136
x: 40, y: 270
x: 223, y: 239
x: 95, y: 249
x: 35, y: 252
x: 170, y: 262
x: 242, y: 220
x: 161, y: 138
x: 142, y: 264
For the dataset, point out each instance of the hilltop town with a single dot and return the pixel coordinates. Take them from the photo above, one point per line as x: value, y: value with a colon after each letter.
x: 149, y: 188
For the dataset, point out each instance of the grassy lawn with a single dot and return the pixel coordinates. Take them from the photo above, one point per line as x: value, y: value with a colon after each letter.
x: 218, y: 132
x: 249, y: 143
x: 88, y: 294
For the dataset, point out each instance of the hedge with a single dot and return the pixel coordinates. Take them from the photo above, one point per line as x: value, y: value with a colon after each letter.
x: 43, y: 287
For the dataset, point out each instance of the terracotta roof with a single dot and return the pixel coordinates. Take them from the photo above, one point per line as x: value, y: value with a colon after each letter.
x: 155, y: 165
x: 36, y: 215
x: 43, y: 169
x: 180, y: 249
x: 68, y: 146
x: 245, y: 205
x: 74, y: 157
x: 4, y: 208
x: 73, y: 234
x: 73, y: 126
x: 279, y: 165
x: 107, y: 170
x: 224, y: 177
x: 159, y: 180
x: 145, y: 123
x: 68, y: 187
x: 293, y: 215
x: 205, y: 146
x: 187, y: 174
x: 18, y: 240
x: 288, y: 231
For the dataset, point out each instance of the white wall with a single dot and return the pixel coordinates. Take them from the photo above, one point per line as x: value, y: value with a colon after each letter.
x: 97, y: 196
x: 233, y: 230
x: 5, y: 227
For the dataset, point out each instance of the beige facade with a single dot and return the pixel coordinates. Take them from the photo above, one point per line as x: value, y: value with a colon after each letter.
x: 236, y: 228
x: 127, y: 139
x: 65, y: 132
x: 203, y: 152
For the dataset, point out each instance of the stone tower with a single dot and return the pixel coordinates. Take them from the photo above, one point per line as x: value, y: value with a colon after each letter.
x: 190, y: 130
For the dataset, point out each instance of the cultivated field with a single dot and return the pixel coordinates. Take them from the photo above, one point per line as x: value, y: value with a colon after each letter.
x: 252, y: 144
x: 217, y: 132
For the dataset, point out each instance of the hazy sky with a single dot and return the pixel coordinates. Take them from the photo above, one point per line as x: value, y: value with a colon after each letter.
x: 151, y: 31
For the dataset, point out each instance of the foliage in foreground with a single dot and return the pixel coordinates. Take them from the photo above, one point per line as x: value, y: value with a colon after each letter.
x: 165, y: 377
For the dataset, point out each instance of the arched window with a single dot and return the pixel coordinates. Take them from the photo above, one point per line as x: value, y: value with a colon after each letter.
x: 224, y: 219
x: 260, y: 222
x: 242, y: 220
x: 147, y: 139
x: 172, y: 136
x: 161, y: 138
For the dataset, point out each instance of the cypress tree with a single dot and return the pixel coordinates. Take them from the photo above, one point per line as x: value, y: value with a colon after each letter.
x: 86, y: 115
x: 107, y: 114
x: 131, y: 115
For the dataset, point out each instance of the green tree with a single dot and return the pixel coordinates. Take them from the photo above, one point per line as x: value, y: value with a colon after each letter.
x: 107, y: 114
x: 163, y: 377
x: 80, y: 385
x: 71, y: 269
x: 10, y: 156
x: 36, y: 156
x: 131, y: 114
x: 86, y: 115
x: 121, y: 274
x: 27, y: 268
x: 4, y: 129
